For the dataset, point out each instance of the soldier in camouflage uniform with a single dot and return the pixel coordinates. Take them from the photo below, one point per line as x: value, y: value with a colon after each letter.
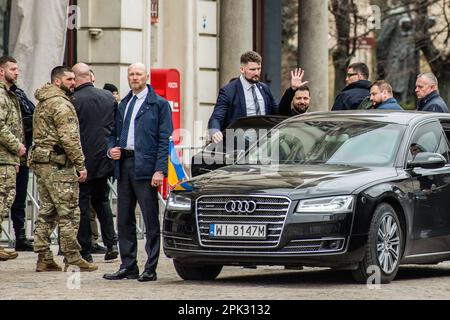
x: 11, y: 142
x: 56, y: 158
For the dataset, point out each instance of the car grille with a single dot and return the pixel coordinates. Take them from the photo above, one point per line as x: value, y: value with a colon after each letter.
x: 270, y: 211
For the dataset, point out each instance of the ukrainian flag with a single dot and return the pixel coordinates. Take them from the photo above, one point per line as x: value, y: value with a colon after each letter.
x: 176, y: 174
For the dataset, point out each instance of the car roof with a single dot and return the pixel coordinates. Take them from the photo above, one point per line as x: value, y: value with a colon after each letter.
x: 388, y: 116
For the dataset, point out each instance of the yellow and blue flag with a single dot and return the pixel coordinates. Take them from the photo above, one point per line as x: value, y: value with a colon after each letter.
x: 176, y: 174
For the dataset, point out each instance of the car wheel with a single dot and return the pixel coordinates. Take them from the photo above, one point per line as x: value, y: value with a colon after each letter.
x: 384, y: 247
x: 196, y: 272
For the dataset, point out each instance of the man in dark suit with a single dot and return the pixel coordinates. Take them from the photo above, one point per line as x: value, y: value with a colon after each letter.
x: 140, y: 145
x: 95, y: 109
x: 242, y: 97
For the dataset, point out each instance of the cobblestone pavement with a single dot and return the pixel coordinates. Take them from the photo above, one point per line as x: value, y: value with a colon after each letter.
x: 18, y: 280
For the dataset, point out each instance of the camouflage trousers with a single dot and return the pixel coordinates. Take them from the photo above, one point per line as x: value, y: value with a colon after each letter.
x: 59, y: 195
x: 7, y: 190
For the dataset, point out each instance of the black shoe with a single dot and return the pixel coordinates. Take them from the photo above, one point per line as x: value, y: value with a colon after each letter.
x: 23, y: 245
x: 98, y: 249
x: 147, y: 276
x: 111, y: 253
x: 122, y: 274
x: 87, y: 257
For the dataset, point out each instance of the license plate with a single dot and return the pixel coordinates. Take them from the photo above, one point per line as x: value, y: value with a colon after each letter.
x: 246, y: 231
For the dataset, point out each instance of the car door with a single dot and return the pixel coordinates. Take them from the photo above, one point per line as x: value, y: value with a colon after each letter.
x: 431, y: 223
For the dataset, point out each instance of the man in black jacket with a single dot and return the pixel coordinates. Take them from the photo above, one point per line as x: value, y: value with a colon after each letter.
x: 297, y: 98
x: 428, y: 94
x: 19, y: 205
x: 96, y: 110
x: 357, y: 89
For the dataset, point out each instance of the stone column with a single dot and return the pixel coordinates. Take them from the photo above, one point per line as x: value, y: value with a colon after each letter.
x: 236, y: 36
x: 272, y: 48
x: 180, y: 52
x: 313, y: 50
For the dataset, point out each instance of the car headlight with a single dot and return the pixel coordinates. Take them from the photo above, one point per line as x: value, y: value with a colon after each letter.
x: 338, y: 204
x: 178, y: 203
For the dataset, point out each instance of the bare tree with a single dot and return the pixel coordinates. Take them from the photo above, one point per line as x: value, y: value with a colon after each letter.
x: 427, y: 35
x: 429, y: 25
x: 347, y: 19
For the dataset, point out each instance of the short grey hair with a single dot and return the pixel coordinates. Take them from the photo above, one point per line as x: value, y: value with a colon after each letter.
x: 430, y: 77
x: 139, y: 65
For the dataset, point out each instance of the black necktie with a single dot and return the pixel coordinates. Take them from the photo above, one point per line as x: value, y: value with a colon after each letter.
x: 126, y: 124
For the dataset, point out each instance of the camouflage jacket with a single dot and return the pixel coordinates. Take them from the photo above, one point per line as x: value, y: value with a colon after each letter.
x: 55, y: 122
x: 11, y: 129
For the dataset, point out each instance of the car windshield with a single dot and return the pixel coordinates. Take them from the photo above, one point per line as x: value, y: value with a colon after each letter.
x: 350, y: 142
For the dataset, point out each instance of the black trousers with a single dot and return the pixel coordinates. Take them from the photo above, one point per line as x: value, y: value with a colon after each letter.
x: 19, y: 205
x: 95, y: 192
x: 130, y: 192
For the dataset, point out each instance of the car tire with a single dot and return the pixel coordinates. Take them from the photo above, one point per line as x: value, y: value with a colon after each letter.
x: 384, y: 248
x: 197, y: 272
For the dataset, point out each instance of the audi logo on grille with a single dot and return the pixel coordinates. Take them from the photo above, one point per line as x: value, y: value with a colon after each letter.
x: 236, y: 206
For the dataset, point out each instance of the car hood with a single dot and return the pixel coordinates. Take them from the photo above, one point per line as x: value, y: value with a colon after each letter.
x: 295, y: 181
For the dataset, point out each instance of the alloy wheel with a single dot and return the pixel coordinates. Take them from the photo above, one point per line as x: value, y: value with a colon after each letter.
x: 388, y: 244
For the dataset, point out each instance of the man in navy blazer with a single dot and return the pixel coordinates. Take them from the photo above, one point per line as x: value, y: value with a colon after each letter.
x: 242, y: 97
x: 139, y: 144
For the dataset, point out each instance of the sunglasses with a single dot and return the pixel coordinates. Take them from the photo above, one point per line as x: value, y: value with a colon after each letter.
x: 351, y: 74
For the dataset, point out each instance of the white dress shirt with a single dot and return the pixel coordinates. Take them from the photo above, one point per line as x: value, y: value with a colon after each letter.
x: 249, y: 102
x: 141, y: 96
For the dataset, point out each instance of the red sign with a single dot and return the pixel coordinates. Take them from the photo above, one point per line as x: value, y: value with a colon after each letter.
x: 166, y: 83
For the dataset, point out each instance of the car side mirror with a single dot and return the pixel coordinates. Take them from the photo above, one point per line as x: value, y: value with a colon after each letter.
x: 427, y: 160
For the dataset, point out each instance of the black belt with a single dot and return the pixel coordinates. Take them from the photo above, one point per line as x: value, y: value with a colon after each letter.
x: 127, y: 153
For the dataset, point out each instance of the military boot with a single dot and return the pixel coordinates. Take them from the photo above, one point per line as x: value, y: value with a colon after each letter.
x: 7, y: 254
x: 80, y: 263
x: 46, y: 263
x: 22, y: 243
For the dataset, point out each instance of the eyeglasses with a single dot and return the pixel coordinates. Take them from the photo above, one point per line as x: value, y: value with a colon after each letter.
x: 351, y: 74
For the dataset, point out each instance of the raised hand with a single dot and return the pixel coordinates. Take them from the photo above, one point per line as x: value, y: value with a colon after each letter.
x: 297, y: 78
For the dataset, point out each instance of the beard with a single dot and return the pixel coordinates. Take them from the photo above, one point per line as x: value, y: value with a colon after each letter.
x: 253, y: 80
x: 302, y: 107
x: 137, y: 86
x: 67, y: 90
x: 10, y: 80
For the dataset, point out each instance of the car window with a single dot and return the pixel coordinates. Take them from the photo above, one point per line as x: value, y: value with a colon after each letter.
x: 366, y: 148
x: 329, y: 142
x: 446, y: 127
x: 429, y: 138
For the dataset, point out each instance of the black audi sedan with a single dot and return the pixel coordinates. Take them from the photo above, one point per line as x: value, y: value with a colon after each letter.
x: 363, y: 191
